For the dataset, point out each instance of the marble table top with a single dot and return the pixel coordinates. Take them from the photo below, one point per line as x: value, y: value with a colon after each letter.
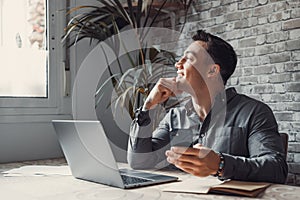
x: 67, y: 187
x: 53, y: 162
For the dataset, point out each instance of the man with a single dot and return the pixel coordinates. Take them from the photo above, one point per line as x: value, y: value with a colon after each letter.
x: 234, y: 136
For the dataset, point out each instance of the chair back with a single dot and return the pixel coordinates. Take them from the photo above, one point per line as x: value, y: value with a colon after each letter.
x: 285, y: 139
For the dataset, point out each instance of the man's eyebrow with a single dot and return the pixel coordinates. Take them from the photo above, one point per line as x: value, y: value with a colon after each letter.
x: 190, y: 52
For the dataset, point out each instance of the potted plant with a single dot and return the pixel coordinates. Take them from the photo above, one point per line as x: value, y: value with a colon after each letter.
x: 100, y: 23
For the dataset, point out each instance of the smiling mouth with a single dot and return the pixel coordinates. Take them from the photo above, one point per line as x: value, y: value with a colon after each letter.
x: 180, y: 74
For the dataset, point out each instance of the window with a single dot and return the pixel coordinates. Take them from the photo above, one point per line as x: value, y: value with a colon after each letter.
x: 22, y: 37
x: 32, y: 56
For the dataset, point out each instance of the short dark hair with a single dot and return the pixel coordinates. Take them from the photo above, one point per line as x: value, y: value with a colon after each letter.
x: 220, y: 51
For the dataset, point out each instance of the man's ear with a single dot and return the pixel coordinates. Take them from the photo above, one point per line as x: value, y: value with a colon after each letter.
x: 214, y: 70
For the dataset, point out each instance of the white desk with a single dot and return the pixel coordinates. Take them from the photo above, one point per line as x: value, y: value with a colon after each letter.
x: 65, y: 187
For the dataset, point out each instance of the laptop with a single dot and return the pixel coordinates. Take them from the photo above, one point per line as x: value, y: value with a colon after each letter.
x: 89, y: 155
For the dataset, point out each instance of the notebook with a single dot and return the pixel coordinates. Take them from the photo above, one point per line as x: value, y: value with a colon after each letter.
x: 197, y: 185
x: 89, y: 155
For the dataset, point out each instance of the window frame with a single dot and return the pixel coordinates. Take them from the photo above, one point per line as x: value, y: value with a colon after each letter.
x: 58, y: 82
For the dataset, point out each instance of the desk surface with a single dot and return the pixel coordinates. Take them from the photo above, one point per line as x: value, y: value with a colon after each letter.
x: 66, y: 187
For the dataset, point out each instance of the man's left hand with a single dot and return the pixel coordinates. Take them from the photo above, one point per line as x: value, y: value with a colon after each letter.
x: 199, y: 161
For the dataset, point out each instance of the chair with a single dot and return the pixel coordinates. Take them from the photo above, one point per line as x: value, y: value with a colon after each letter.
x: 285, y: 139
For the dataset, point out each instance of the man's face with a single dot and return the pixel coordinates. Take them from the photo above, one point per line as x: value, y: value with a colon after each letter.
x: 192, y: 68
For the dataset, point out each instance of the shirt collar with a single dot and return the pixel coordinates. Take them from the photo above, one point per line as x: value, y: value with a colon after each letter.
x: 230, y: 93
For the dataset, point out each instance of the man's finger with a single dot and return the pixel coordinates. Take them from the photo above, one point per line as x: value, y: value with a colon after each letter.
x: 194, y: 160
x: 171, y: 160
x: 169, y: 83
x: 200, y: 152
x: 185, y: 150
x: 197, y: 146
x: 172, y: 154
x: 185, y: 165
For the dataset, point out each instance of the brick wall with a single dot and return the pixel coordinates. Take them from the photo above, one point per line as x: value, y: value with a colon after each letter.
x: 266, y: 36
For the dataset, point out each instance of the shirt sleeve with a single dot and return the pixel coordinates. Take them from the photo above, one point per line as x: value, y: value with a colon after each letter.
x: 146, y: 148
x: 266, y: 161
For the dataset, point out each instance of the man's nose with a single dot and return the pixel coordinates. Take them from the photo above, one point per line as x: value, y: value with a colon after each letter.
x: 179, y: 64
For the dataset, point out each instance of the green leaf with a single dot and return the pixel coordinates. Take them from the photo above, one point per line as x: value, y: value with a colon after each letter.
x: 102, y: 89
x: 105, y: 83
x: 137, y: 77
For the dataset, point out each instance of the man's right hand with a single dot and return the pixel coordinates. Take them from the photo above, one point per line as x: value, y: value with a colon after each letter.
x: 163, y: 89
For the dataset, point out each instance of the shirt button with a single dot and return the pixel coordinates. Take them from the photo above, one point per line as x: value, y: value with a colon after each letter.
x: 202, y: 135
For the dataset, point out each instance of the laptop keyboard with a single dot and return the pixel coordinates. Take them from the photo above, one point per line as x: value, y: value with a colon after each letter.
x: 128, y: 180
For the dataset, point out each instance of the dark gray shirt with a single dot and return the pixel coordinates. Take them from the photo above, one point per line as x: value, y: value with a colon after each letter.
x: 242, y: 128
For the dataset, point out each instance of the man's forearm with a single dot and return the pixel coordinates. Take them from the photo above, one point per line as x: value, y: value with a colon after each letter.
x: 267, y: 168
x: 142, y: 153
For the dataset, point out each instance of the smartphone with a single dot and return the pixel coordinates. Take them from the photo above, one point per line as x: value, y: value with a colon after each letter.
x: 181, y: 137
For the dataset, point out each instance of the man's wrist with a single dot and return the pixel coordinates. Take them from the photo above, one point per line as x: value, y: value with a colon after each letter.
x: 142, y: 117
x: 220, y: 169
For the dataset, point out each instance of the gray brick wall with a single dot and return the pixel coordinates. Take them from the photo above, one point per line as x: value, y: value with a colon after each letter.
x: 266, y: 36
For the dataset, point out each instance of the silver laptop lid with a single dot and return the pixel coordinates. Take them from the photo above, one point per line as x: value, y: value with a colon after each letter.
x: 87, y: 151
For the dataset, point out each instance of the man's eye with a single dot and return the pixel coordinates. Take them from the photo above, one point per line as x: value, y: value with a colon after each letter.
x: 188, y: 58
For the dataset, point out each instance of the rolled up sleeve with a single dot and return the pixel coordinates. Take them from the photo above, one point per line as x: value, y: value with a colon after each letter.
x: 146, y: 148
